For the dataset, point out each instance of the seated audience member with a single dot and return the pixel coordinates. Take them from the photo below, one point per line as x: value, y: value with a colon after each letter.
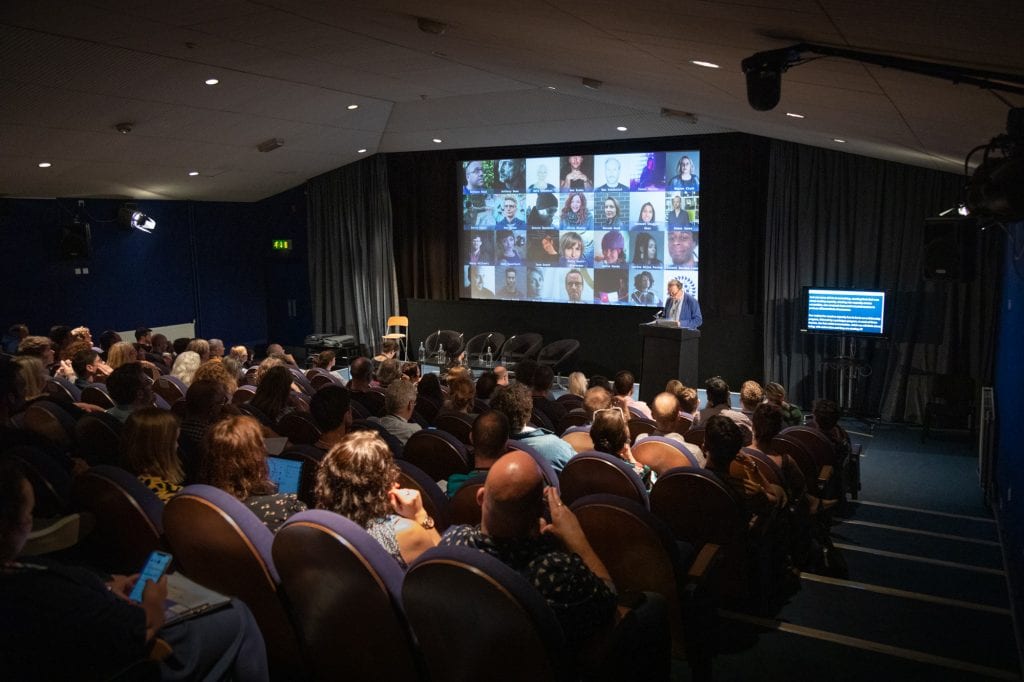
x: 430, y: 387
x: 623, y: 394
x: 149, y: 449
x: 775, y: 393
x: 412, y: 371
x: 180, y: 345
x: 388, y: 351
x: 216, y: 348
x: 265, y: 365
x: 217, y: 371
x: 330, y: 408
x: 240, y: 353
x: 595, y: 399
x: 185, y: 366
x: 485, y: 386
x: 826, y: 419
x: 361, y: 373
x: 524, y: 372
x: 30, y: 379
x: 665, y: 412
x: 751, y: 395
x: 272, y: 394
x: 723, y: 439
x: 324, y: 360
x: 718, y: 403
x: 276, y: 350
x: 768, y: 422
x: 130, y: 390
x: 38, y: 347
x: 555, y: 557
x: 66, y: 623
x: 399, y: 403
x: 600, y: 380
x: 143, y: 338
x: 461, y: 393
x: 489, y: 437
x: 107, y: 339
x: 689, y: 401
x: 200, y: 347
x: 235, y: 369
x: 206, y: 401
x: 543, y: 379
x: 389, y: 372
x: 60, y: 337
x: 516, y: 404
x: 610, y: 434
x: 81, y: 333
x: 359, y: 480
x: 578, y: 383
x: 234, y: 459
x: 501, y: 375
x: 15, y: 333
x: 87, y: 365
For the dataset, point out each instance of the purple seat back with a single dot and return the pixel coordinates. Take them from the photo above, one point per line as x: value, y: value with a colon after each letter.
x: 438, y: 453
x: 344, y: 595
x: 475, y: 618
x: 593, y: 472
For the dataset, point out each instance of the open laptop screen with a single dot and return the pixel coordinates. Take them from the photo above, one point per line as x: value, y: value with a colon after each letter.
x: 286, y: 473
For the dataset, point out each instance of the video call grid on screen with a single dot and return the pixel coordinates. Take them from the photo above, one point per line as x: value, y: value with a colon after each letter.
x: 602, y: 229
x: 846, y: 311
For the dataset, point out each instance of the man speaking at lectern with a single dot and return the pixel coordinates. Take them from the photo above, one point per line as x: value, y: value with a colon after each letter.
x: 681, y: 307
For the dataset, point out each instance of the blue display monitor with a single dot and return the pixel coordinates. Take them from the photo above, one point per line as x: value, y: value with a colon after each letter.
x: 860, y: 312
x: 286, y: 473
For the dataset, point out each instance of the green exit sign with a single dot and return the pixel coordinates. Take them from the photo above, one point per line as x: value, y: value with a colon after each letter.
x: 282, y: 245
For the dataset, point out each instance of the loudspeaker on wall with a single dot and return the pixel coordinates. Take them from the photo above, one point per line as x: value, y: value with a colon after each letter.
x: 75, y: 241
x: 950, y: 249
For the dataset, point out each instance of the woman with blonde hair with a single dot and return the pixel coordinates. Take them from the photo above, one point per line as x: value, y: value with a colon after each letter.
x: 578, y: 384
x: 122, y: 352
x: 200, y: 347
x: 234, y: 459
x: 185, y: 366
x: 149, y: 449
x: 359, y: 480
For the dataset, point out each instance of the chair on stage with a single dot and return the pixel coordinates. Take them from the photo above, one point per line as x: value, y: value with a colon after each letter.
x: 477, y: 346
x: 521, y: 347
x: 557, y: 355
x: 398, y: 331
x: 449, y: 339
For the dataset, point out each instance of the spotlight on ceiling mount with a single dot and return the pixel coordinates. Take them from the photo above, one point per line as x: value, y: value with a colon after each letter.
x: 270, y: 145
x: 124, y: 128
x: 129, y: 217
x: 591, y: 83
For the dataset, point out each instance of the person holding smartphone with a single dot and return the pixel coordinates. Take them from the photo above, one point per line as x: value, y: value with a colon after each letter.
x: 64, y: 622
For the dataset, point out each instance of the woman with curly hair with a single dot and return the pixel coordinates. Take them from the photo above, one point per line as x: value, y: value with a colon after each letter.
x: 219, y: 372
x: 234, y: 459
x: 149, y: 450
x: 359, y: 480
x: 575, y: 212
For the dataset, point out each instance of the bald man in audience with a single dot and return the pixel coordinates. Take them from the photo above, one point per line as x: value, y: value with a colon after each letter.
x: 665, y: 411
x: 555, y: 557
x: 489, y: 435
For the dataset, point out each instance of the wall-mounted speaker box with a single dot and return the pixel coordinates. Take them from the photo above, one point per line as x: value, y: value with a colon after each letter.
x: 950, y: 246
x: 75, y: 241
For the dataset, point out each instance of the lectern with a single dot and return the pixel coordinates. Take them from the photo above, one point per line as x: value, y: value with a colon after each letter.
x: 668, y: 353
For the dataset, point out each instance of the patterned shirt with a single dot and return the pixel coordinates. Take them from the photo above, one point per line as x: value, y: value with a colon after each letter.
x: 583, y: 603
x: 161, y: 487
x: 274, y: 510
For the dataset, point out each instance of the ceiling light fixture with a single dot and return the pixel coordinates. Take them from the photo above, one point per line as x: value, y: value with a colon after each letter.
x: 621, y: 129
x: 591, y: 83
x: 270, y: 145
x: 793, y: 115
x: 551, y: 87
x: 352, y: 107
x: 681, y: 115
x: 45, y: 164
x: 124, y: 128
x: 706, y: 65
x: 839, y: 140
x: 438, y: 140
x: 212, y: 81
x: 360, y: 151
x: 193, y: 173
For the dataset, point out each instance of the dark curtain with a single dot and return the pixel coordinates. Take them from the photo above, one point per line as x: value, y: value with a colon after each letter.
x: 351, y: 258
x: 848, y: 221
x: 426, y: 224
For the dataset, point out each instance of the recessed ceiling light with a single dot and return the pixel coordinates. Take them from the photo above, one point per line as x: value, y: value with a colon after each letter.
x: 45, y: 164
x: 360, y: 151
x: 706, y: 65
x: 438, y: 140
x: 552, y: 87
x: 193, y: 173
x: 621, y: 129
x: 353, y: 106
x: 792, y: 115
x: 839, y: 140
x: 212, y: 81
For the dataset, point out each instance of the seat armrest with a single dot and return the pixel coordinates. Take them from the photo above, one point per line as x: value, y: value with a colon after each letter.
x: 706, y: 558
x: 824, y: 476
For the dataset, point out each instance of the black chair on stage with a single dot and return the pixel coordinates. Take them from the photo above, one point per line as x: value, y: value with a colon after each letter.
x: 521, y: 347
x: 557, y: 355
x: 477, y: 346
x: 450, y: 340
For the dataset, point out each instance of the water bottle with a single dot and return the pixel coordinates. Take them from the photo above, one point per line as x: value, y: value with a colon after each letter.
x: 442, y: 360
x: 488, y: 357
x: 423, y: 353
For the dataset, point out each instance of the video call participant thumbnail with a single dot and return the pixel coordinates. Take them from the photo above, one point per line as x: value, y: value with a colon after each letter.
x: 511, y: 175
x: 610, y: 286
x: 678, y: 217
x: 480, y: 249
x: 645, y: 249
x: 612, y: 169
x: 534, y: 283
x: 477, y: 212
x: 542, y: 247
x: 647, y: 218
x: 577, y: 172
x: 685, y: 179
x: 540, y: 179
x: 575, y: 212
x: 508, y: 244
x: 613, y: 250
x: 509, y: 216
x: 682, y: 248
x: 543, y: 211
x: 574, y: 284
x: 512, y: 287
x: 481, y: 281
x: 474, y: 177
x: 643, y: 289
x: 573, y: 249
x: 611, y: 214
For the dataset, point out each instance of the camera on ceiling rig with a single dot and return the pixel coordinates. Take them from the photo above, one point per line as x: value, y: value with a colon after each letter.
x: 996, y: 189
